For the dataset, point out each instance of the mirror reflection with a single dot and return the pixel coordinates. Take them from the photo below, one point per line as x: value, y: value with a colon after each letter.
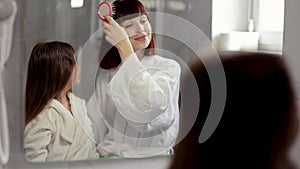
x: 134, y: 109
x: 126, y: 103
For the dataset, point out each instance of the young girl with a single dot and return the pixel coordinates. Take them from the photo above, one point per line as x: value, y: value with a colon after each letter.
x: 57, y: 125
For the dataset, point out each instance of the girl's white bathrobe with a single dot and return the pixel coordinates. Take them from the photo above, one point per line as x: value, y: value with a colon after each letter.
x: 134, y: 109
x: 57, y: 135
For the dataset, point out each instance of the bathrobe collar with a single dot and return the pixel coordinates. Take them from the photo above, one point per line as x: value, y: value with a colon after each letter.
x: 69, y: 124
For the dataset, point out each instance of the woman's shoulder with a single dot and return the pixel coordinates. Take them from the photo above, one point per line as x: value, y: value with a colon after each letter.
x: 166, y: 62
x: 163, y: 60
x: 106, y: 74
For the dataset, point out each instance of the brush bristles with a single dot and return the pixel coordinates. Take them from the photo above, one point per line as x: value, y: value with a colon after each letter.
x: 113, y: 13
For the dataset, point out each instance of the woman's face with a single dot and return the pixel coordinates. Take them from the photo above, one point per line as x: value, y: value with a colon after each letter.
x: 139, y: 32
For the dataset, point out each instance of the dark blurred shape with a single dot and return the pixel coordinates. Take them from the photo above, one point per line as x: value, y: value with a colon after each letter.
x: 259, y: 122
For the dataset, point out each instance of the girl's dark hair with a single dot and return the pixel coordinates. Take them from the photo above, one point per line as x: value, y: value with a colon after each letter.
x: 125, y: 9
x: 49, y: 69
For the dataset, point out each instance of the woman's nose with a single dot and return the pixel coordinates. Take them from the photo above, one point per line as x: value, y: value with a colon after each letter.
x: 139, y: 28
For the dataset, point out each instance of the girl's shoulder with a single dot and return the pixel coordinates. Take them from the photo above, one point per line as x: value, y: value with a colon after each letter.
x: 49, y: 111
x: 48, y: 116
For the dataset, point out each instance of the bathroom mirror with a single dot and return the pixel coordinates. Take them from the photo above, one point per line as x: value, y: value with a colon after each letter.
x: 57, y: 20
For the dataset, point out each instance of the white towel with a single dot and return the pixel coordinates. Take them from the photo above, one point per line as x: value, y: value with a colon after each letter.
x: 7, y: 18
x: 8, y: 10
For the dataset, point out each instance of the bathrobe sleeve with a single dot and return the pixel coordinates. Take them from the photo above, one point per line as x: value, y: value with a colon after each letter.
x: 98, y: 124
x: 145, y: 95
x: 81, y: 113
x: 37, y: 136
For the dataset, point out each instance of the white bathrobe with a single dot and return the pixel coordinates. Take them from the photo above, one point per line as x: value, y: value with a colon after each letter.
x: 134, y: 109
x: 57, y: 135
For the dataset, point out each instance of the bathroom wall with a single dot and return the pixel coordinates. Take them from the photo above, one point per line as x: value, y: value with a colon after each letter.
x: 229, y: 15
x: 291, y: 45
x: 56, y: 20
x: 198, y: 13
x: 292, y: 38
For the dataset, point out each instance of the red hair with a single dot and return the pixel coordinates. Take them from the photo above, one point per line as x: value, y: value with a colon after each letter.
x: 124, y: 9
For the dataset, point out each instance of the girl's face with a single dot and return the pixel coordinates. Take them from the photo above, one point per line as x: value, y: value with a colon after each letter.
x: 139, y: 32
x: 76, y: 72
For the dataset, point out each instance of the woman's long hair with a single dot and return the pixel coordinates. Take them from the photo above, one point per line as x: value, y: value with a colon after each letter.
x: 125, y: 9
x: 49, y: 69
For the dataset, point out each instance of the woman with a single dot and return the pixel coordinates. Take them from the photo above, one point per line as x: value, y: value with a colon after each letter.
x: 136, y: 90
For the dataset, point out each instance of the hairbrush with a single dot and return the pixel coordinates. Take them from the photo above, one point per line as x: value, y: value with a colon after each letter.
x: 105, y: 8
